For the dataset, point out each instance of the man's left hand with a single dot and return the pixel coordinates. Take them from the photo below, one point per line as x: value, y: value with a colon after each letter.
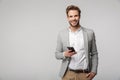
x: 91, y: 75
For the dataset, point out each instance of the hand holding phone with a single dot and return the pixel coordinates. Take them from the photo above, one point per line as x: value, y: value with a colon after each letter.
x: 71, y: 51
x: 71, y: 48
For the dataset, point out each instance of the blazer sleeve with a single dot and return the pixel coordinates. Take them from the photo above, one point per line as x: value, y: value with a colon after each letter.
x: 94, y: 55
x: 59, y: 48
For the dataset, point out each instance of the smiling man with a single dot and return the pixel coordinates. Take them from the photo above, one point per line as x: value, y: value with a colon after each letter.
x: 76, y: 47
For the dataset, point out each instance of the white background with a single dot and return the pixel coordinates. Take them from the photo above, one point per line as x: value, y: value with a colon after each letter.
x: 28, y: 33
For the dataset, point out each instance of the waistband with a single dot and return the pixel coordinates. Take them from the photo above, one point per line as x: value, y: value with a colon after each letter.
x: 79, y: 71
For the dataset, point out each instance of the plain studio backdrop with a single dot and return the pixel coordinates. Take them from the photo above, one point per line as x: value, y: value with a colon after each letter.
x: 28, y: 33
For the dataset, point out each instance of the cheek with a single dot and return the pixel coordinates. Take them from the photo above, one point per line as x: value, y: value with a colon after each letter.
x: 69, y: 20
x: 77, y: 18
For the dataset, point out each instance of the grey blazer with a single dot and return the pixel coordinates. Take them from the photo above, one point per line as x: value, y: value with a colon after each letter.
x: 90, y: 48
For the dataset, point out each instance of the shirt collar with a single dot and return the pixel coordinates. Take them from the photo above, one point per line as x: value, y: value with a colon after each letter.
x: 75, y: 31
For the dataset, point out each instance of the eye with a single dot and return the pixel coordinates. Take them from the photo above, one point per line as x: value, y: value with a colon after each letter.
x: 70, y: 16
x: 76, y: 15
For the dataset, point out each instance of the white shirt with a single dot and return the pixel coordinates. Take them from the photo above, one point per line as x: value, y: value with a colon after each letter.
x: 78, y: 61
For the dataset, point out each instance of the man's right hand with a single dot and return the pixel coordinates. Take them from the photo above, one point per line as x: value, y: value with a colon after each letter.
x: 68, y: 53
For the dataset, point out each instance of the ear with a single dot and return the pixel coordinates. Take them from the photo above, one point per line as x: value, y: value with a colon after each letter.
x: 67, y: 18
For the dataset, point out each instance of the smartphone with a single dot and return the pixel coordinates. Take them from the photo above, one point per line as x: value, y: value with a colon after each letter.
x: 71, y: 48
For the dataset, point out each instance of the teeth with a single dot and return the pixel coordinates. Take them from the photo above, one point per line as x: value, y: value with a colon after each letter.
x: 74, y: 22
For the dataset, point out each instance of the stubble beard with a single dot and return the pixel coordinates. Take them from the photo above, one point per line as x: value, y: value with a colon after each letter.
x: 75, y: 26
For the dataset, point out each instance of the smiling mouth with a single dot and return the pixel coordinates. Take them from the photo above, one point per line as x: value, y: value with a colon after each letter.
x: 74, y: 22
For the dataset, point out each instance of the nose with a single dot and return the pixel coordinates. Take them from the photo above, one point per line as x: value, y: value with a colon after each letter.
x: 73, y: 18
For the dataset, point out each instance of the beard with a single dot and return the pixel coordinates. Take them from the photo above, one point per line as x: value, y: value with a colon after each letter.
x: 74, y: 23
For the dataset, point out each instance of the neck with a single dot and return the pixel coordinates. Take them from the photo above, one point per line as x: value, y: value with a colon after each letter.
x: 74, y: 28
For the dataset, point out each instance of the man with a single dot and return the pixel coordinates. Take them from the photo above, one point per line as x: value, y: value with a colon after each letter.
x: 82, y: 62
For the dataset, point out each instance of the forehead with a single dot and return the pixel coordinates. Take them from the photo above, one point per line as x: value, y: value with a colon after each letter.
x: 73, y: 12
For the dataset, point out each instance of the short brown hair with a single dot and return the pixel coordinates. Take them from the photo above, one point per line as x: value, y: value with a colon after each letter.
x: 73, y: 7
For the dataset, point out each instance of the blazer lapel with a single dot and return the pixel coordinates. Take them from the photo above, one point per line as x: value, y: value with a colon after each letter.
x: 85, y: 36
x: 67, y: 37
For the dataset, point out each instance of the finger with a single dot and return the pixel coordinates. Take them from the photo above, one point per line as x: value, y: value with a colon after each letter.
x: 74, y: 52
x: 69, y: 51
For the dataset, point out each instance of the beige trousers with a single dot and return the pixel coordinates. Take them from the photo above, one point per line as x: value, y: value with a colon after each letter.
x: 70, y: 75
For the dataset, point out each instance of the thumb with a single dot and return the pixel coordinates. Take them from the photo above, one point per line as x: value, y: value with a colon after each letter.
x: 87, y: 75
